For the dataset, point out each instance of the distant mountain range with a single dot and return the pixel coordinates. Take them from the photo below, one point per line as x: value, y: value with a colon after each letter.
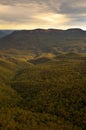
x: 5, y: 32
x: 45, y: 40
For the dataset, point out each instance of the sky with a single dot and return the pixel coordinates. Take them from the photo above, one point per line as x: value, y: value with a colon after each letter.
x: 32, y: 14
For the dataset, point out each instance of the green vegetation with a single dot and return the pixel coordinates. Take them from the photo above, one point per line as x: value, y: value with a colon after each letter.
x: 43, y: 93
x: 43, y: 80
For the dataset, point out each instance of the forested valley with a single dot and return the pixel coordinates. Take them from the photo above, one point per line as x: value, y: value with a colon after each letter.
x: 42, y: 89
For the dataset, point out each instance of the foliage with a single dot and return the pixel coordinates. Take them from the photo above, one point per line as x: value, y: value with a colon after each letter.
x: 48, y: 95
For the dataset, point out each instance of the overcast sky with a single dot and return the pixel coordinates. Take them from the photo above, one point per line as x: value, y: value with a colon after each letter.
x: 31, y: 14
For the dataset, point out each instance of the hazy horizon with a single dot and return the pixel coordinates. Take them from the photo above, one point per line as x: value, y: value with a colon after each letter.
x: 41, y: 28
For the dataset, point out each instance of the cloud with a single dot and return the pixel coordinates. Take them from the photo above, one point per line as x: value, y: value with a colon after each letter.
x: 63, y: 6
x: 42, y: 13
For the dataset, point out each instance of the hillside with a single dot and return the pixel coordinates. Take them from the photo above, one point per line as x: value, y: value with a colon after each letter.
x: 43, y: 80
x: 43, y: 93
x: 40, y: 40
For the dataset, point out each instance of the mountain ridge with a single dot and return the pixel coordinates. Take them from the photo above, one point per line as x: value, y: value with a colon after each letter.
x: 51, y: 40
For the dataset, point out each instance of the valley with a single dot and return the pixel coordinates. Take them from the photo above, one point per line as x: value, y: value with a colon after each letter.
x: 43, y: 80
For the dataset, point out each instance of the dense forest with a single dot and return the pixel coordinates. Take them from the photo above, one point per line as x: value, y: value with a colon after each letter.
x: 43, y: 93
x: 42, y: 89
